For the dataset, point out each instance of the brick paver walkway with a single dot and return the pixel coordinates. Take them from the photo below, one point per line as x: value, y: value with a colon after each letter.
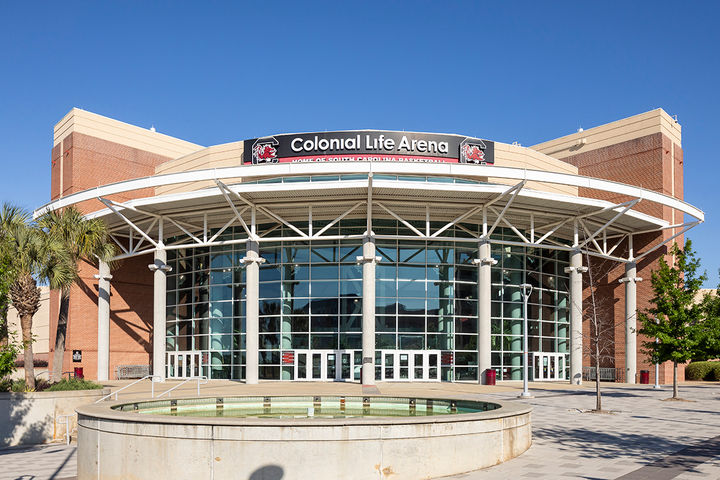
x: 645, y: 438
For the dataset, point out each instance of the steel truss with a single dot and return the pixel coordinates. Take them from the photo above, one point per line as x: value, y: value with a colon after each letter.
x: 144, y: 233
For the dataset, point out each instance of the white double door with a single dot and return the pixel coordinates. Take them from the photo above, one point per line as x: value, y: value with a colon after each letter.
x: 410, y: 365
x: 327, y: 365
x: 183, y: 364
x: 549, y: 366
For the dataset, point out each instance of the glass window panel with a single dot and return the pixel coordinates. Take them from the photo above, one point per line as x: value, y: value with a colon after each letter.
x: 324, y: 272
x: 388, y: 253
x: 296, y: 272
x: 466, y: 325
x: 221, y: 293
x: 348, y: 253
x: 324, y: 341
x: 270, y: 307
x: 350, y: 271
x: 411, y: 272
x: 349, y: 341
x: 269, y: 324
x: 466, y: 307
x: 324, y: 289
x: 326, y: 254
x: 299, y: 323
x: 221, y: 309
x: 465, y: 373
x: 385, y: 341
x: 440, y: 290
x: 411, y: 306
x: 351, y: 323
x: 412, y: 342
x: 385, y: 305
x: 291, y: 254
x: 220, y: 342
x: 351, y: 305
x: 325, y: 323
x: 296, y: 289
x: 218, y: 277
x: 412, y: 254
x: 465, y: 255
x: 299, y: 341
x: 270, y: 290
x: 386, y: 271
x: 439, y: 342
x: 385, y: 323
x: 217, y: 260
x: 411, y: 324
x: 269, y: 273
x: 412, y: 288
x: 270, y: 340
x: 385, y: 288
x: 465, y: 358
x: 465, y: 342
x: 271, y: 254
x: 324, y: 306
x: 466, y: 274
x: 351, y: 289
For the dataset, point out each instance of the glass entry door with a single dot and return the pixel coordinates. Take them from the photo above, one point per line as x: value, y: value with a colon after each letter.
x: 327, y: 365
x: 183, y: 364
x: 410, y: 365
x: 548, y: 366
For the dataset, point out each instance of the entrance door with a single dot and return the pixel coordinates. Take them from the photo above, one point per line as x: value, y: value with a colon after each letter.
x: 410, y: 365
x: 183, y: 364
x: 327, y: 365
x: 548, y: 366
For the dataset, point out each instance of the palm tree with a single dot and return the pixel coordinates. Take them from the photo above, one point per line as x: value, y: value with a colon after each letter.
x: 9, y: 215
x: 83, y: 239
x: 34, y: 256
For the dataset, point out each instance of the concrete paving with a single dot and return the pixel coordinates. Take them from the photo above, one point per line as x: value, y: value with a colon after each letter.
x: 643, y: 438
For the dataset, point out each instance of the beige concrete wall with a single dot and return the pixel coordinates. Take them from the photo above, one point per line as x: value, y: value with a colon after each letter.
x: 521, y: 157
x: 105, y: 128
x: 217, y: 156
x: 35, y: 417
x: 40, y: 327
x: 637, y: 126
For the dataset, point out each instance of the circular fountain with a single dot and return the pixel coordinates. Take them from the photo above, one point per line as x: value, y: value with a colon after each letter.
x: 298, y: 437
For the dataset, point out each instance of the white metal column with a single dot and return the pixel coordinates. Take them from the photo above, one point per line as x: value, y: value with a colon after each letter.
x: 368, y: 261
x: 576, y: 339
x: 484, y: 262
x: 252, y: 308
x: 630, y: 282
x: 103, y: 342
x: 159, y: 269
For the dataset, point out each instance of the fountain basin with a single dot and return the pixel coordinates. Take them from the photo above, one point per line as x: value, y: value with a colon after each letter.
x: 155, y: 440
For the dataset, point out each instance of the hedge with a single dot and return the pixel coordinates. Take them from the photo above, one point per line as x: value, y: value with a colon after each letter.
x: 703, y: 371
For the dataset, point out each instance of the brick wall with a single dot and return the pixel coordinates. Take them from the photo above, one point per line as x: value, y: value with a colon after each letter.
x: 651, y: 162
x: 78, y: 163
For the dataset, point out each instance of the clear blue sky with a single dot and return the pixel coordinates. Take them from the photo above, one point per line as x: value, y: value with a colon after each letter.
x: 214, y: 72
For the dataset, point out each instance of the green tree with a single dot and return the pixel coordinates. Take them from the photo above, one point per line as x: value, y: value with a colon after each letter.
x: 709, y: 347
x: 83, y: 240
x: 34, y: 256
x: 675, y: 318
x: 10, y: 215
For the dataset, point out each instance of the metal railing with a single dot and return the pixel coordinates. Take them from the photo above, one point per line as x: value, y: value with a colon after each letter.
x: 152, y: 387
x: 67, y: 426
x: 199, y: 379
x: 607, y: 374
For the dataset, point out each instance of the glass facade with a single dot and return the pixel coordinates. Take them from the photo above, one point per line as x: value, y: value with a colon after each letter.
x: 310, y: 299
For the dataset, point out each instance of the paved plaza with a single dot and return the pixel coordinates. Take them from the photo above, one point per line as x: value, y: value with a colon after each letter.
x: 644, y: 438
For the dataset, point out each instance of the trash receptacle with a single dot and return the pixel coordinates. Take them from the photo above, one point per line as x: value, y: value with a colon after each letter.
x: 645, y: 377
x: 79, y: 372
x: 490, y: 376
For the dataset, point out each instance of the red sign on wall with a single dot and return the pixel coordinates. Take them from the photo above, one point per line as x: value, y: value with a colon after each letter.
x: 288, y: 358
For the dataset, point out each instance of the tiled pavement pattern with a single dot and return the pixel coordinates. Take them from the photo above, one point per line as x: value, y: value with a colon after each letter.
x: 644, y: 439
x: 56, y: 462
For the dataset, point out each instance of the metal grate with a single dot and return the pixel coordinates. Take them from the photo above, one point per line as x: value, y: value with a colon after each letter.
x: 607, y: 374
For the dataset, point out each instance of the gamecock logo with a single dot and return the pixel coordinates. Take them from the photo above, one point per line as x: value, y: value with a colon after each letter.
x: 264, y: 150
x: 472, y: 150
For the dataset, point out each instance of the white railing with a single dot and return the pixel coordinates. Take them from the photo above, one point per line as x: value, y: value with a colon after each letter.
x: 67, y: 426
x: 152, y: 387
x: 199, y: 379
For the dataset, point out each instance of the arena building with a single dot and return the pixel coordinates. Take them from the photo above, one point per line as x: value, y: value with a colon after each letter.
x: 367, y: 255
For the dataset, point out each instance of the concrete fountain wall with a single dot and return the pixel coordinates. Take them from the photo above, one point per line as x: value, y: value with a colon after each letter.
x: 127, y: 445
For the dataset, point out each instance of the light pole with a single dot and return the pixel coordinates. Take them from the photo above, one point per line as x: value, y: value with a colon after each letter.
x: 526, y: 291
x: 657, y: 364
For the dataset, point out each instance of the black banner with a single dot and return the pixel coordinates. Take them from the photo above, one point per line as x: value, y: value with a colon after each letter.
x: 368, y: 145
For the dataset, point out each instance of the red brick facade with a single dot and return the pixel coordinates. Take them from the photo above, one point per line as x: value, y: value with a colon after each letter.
x: 651, y: 162
x: 85, y: 162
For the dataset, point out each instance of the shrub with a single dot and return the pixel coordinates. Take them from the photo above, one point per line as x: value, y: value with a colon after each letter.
x: 703, y: 371
x: 7, y: 359
x: 73, y: 384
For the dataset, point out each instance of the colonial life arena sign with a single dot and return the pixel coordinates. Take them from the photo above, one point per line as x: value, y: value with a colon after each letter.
x: 368, y: 146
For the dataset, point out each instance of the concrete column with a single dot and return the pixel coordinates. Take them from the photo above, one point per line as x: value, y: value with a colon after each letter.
x: 576, y: 340
x: 103, y: 345
x: 368, y: 261
x: 630, y: 282
x: 159, y: 269
x: 516, y: 329
x: 484, y: 263
x: 252, y: 261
